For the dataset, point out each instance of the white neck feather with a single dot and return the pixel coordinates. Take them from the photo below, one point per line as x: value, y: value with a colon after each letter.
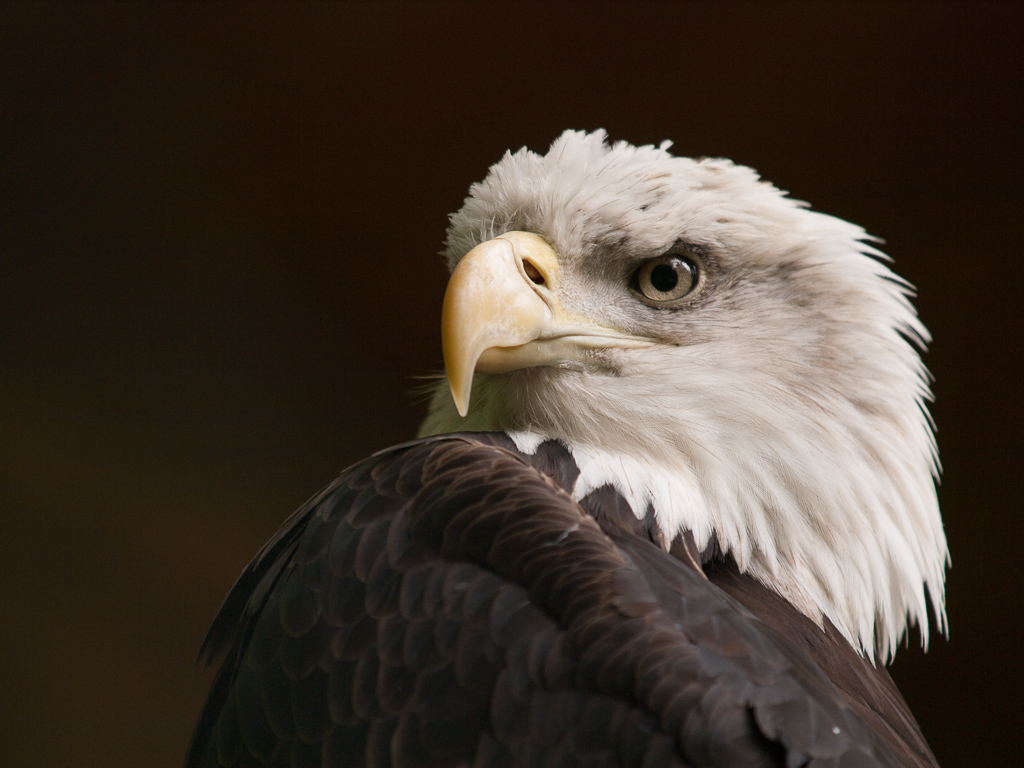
x: 867, y: 579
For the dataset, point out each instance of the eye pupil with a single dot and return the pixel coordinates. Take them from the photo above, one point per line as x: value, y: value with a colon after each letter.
x: 664, y: 277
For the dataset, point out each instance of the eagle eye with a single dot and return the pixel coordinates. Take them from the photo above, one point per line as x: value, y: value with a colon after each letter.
x: 667, y: 278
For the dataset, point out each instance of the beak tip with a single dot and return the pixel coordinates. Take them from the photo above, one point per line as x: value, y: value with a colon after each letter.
x: 461, y: 401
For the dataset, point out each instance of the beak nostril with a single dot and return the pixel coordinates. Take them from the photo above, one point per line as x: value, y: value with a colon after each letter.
x: 532, y: 272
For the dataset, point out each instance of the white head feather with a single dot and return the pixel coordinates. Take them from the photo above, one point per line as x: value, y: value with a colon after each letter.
x: 784, y: 412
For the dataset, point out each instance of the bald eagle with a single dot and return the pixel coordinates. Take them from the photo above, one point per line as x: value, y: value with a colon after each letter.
x: 673, y: 503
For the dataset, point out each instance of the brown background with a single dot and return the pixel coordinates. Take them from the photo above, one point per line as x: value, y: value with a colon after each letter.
x: 219, y: 282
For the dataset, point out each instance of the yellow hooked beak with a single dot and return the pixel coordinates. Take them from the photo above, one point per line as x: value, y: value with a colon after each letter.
x: 502, y: 312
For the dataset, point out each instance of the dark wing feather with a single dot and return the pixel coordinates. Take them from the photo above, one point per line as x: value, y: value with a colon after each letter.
x: 448, y: 603
x: 867, y: 688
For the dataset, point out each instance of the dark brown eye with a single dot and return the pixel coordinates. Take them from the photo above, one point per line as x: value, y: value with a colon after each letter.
x: 667, y: 278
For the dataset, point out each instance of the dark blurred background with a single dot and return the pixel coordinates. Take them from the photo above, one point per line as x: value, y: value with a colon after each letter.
x: 219, y: 284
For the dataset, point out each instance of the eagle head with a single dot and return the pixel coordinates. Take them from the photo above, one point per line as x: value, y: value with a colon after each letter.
x: 742, y: 366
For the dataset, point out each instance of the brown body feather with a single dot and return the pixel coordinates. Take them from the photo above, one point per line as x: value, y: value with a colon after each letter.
x: 447, y: 602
